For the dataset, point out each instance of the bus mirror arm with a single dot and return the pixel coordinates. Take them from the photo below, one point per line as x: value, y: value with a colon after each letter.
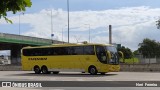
x: 108, y: 55
x: 121, y: 54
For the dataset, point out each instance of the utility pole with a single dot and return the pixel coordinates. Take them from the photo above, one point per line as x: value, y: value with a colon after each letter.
x: 68, y: 18
x: 110, y: 34
x: 52, y: 35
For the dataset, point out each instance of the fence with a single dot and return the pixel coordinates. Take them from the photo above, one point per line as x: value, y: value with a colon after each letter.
x: 141, y: 64
x: 147, y: 60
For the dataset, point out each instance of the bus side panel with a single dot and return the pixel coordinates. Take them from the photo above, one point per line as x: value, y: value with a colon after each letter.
x: 25, y: 64
x: 28, y: 63
x: 114, y: 68
x: 81, y: 62
x: 60, y: 62
x: 88, y: 60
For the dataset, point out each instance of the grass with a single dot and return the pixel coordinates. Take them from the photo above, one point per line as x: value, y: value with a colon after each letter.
x: 131, y: 61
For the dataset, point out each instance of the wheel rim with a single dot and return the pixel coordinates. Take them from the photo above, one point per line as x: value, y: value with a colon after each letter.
x: 44, y: 70
x: 37, y: 70
x: 93, y: 71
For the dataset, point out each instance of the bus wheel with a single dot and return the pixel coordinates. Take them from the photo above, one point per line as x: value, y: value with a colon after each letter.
x: 55, y: 72
x: 92, y: 70
x: 37, y: 70
x: 44, y: 70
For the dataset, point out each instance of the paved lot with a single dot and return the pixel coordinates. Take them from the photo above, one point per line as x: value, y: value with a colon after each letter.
x: 74, y: 76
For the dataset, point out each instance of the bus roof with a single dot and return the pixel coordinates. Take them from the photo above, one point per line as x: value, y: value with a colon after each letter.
x: 66, y: 44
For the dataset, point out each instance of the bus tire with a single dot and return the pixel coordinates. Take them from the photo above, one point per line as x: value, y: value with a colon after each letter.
x: 92, y: 70
x: 44, y: 70
x: 37, y: 70
x: 56, y: 72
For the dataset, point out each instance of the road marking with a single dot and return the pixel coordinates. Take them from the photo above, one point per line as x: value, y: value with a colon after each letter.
x: 56, y: 89
x: 80, y: 79
x: 109, y: 80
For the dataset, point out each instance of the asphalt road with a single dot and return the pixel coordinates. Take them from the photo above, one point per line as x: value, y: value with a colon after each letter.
x: 76, y: 76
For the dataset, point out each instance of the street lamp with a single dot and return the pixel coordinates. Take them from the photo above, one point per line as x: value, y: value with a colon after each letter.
x: 52, y: 35
x: 89, y: 32
x: 68, y: 18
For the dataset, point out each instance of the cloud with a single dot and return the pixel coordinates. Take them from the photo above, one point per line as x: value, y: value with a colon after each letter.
x: 130, y: 24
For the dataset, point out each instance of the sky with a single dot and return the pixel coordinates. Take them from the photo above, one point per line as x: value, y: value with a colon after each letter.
x: 131, y: 20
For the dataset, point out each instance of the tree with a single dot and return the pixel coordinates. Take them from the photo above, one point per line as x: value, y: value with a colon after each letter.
x: 126, y: 51
x: 158, y: 24
x: 149, y: 48
x: 136, y: 52
x: 13, y: 6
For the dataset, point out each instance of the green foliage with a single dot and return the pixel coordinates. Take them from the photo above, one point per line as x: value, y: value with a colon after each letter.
x: 13, y: 6
x: 126, y: 51
x: 136, y: 52
x: 149, y: 48
x: 131, y: 60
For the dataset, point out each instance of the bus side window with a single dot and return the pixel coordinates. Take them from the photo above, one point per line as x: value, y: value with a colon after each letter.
x: 78, y: 50
x: 58, y: 51
x: 70, y: 51
x: 89, y: 50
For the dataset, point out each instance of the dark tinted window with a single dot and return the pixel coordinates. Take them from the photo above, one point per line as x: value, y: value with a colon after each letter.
x: 89, y: 50
x: 75, y: 50
x: 26, y: 52
x: 78, y: 50
x: 45, y: 51
x: 60, y: 51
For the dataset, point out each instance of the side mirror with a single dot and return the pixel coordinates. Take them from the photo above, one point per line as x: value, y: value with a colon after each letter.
x: 121, y: 54
x: 108, y: 54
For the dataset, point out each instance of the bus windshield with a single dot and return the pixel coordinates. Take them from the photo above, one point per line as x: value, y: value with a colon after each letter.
x: 114, y: 55
x: 101, y: 54
x: 111, y: 49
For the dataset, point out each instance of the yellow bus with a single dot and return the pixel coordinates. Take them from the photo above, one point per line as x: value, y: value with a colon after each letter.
x: 92, y: 58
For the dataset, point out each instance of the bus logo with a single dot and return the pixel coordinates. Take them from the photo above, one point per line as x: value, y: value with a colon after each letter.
x: 37, y: 58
